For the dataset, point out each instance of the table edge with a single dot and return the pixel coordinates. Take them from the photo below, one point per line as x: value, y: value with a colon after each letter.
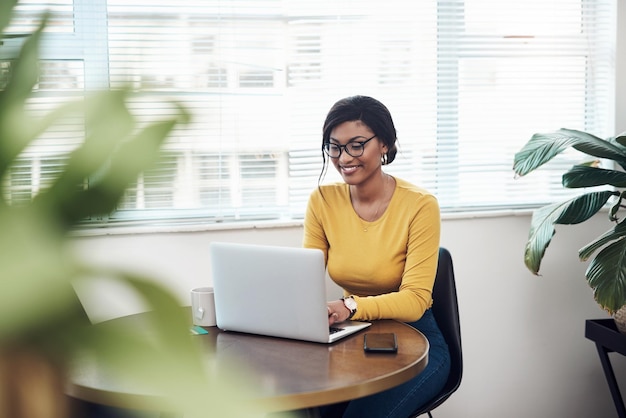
x: 370, y: 387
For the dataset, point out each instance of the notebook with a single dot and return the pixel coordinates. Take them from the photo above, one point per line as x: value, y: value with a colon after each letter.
x: 275, y: 291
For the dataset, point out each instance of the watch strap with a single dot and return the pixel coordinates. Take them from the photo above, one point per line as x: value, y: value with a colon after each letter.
x: 350, y: 304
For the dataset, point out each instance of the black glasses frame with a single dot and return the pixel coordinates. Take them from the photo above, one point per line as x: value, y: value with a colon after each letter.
x: 343, y: 148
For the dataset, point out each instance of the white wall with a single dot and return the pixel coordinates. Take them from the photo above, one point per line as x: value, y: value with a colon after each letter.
x: 523, y: 336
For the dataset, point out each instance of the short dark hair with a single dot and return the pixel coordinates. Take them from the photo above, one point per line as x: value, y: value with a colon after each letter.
x: 372, y: 113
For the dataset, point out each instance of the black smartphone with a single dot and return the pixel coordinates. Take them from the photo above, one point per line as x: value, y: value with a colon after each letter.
x: 380, y: 342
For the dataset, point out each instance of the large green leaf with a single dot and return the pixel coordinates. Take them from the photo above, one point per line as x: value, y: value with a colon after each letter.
x: 15, y: 124
x: 606, y: 275
x: 95, y: 151
x: 6, y: 10
x: 102, y: 137
x: 158, y: 355
x: 543, y: 147
x: 584, y: 175
x: 110, y: 158
x: 572, y: 211
x: 597, y: 147
x: 616, y: 206
x: 618, y: 232
x: 34, y: 271
x: 621, y: 139
x: 28, y: 131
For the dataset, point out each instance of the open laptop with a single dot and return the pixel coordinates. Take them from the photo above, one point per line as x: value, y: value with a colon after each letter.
x: 275, y: 291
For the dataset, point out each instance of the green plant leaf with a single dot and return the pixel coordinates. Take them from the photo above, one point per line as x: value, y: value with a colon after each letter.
x: 25, y: 73
x: 37, y: 126
x: 542, y: 147
x: 587, y: 176
x: 32, y: 258
x: 573, y: 211
x: 103, y: 137
x: 110, y: 159
x: 95, y: 151
x: 170, y: 319
x: 597, y: 147
x: 618, y: 232
x: 606, y: 275
x: 159, y: 356
x: 6, y: 12
x: 15, y: 125
x: 617, y: 205
x: 621, y: 139
x: 105, y: 192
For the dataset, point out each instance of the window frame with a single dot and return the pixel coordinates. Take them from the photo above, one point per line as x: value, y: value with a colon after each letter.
x: 94, y: 32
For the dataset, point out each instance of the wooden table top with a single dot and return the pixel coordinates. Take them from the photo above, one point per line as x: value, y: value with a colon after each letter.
x: 285, y: 374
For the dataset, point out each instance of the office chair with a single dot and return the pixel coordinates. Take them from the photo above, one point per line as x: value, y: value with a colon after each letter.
x: 446, y: 311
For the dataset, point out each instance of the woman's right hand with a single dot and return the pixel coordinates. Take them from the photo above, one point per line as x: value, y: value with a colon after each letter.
x: 337, y: 312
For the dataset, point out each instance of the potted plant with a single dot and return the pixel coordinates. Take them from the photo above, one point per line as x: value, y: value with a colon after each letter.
x: 606, y: 273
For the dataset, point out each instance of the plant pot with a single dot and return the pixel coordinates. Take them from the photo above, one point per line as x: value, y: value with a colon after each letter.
x: 31, y: 385
x: 620, y: 319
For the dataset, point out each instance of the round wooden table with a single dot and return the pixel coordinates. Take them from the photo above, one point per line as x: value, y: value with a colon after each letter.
x: 284, y: 374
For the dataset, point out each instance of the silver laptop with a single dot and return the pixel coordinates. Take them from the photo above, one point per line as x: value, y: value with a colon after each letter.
x: 275, y: 291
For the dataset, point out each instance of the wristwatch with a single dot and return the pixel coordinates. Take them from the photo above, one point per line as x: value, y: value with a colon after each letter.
x: 350, y: 303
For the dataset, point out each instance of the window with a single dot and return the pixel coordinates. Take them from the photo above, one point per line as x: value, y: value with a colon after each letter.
x: 467, y: 82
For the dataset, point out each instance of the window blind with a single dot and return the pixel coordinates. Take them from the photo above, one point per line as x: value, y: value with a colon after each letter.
x: 467, y: 82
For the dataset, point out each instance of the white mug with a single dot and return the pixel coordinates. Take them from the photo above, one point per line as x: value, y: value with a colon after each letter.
x: 203, y: 306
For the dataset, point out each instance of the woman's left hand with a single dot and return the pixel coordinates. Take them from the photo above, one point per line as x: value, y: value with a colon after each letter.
x: 337, y: 312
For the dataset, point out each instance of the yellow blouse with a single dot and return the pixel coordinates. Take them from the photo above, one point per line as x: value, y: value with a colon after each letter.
x: 388, y: 265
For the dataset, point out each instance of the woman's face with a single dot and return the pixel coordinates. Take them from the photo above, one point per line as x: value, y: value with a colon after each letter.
x: 356, y: 170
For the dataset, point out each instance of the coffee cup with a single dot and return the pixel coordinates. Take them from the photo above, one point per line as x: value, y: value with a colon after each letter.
x: 203, y: 306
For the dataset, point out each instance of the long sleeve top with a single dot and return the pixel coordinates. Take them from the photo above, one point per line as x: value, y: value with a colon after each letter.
x: 388, y: 265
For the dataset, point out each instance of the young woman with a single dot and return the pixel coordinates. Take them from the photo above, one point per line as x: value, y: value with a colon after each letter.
x: 380, y: 237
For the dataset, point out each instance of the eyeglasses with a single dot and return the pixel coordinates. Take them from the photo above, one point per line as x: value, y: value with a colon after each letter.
x: 353, y: 148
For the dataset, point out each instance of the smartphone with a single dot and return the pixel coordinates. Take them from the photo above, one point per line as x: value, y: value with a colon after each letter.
x: 380, y: 342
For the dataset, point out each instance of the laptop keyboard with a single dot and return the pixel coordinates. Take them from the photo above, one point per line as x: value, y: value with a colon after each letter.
x: 332, y: 330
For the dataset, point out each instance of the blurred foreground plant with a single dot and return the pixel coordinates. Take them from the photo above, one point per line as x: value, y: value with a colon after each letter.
x: 43, y: 326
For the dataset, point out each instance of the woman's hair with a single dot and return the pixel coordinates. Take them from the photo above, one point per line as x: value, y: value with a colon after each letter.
x: 372, y: 113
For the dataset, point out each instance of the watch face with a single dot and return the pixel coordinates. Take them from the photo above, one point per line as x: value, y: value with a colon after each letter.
x: 350, y: 303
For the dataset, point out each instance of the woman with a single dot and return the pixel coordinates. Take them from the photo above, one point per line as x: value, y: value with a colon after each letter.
x: 380, y: 237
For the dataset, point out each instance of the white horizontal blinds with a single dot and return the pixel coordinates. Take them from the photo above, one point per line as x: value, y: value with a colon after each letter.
x: 467, y: 82
x: 508, y: 69
x: 224, y: 61
x: 27, y: 16
x: 61, y: 79
x: 304, y: 76
x: 259, y: 78
x: 382, y: 49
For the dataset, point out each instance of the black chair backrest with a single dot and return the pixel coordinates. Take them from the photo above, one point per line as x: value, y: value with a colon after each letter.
x: 446, y: 311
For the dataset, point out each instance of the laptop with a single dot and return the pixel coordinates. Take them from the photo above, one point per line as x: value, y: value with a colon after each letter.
x: 274, y: 291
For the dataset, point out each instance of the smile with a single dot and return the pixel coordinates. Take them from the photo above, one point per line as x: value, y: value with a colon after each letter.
x: 349, y: 168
